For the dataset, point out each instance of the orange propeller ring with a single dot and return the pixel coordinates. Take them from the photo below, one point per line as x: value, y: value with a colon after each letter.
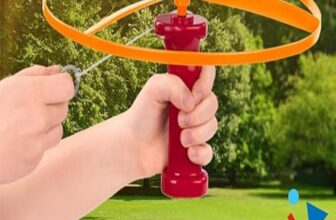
x: 278, y: 10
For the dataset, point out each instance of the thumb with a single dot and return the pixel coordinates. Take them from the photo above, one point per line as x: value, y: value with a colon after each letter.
x: 38, y: 70
x: 164, y: 88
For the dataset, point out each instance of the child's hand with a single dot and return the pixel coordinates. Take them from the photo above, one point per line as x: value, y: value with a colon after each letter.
x: 147, y: 120
x: 106, y: 157
x: 33, y: 105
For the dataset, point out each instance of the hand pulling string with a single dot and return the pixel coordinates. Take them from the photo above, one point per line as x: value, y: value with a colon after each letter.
x: 79, y: 73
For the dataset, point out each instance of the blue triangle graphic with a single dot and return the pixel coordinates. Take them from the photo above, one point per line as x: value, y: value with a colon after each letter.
x: 315, y: 213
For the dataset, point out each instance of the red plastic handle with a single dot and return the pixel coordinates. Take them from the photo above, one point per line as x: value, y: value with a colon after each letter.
x: 182, y: 178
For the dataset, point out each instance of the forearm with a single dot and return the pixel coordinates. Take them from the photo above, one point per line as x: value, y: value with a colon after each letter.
x: 75, y: 177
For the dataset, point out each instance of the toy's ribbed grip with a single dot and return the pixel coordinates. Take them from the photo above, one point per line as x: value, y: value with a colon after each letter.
x: 181, y: 177
x: 178, y: 161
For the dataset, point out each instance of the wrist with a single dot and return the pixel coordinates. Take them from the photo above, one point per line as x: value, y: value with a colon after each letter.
x: 128, y: 142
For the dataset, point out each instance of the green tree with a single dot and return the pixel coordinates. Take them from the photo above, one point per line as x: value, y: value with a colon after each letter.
x: 255, y: 155
x: 274, y: 33
x: 305, y: 125
x: 245, y: 108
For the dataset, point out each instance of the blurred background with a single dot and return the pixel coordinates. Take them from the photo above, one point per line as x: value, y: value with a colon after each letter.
x: 277, y: 121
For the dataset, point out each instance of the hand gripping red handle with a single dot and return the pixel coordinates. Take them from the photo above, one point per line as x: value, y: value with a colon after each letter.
x: 182, y: 178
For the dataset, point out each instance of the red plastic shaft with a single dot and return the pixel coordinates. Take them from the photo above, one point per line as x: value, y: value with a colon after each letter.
x: 181, y: 178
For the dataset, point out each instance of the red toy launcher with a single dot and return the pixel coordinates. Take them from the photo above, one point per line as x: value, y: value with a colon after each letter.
x: 182, y: 31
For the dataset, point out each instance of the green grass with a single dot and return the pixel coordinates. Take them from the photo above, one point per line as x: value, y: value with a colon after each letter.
x: 220, y: 204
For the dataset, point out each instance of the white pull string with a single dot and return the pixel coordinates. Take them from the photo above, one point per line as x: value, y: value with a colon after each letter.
x: 79, y: 73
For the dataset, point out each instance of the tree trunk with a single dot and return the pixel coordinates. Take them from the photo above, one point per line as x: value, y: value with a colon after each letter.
x: 231, y: 175
x: 333, y: 180
x: 146, y: 183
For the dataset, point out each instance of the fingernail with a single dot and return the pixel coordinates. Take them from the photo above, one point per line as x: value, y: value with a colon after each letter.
x: 184, y: 119
x: 188, y: 102
x: 198, y: 97
x: 187, y: 139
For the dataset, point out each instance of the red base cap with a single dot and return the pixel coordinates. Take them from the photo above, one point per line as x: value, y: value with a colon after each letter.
x: 194, y: 185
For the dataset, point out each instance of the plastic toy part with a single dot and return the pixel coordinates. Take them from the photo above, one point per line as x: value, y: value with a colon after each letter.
x: 278, y: 10
x: 181, y: 178
x: 182, y: 7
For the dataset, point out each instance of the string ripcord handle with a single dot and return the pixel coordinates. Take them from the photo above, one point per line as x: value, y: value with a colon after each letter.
x: 78, y: 73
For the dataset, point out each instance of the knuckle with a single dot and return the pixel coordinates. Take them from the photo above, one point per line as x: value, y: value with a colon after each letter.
x: 196, y: 118
x: 175, y: 80
x: 156, y: 78
x: 209, y: 154
x: 154, y: 82
x: 202, y: 92
x: 159, y: 81
x: 210, y: 150
x: 215, y: 123
x: 214, y: 100
x: 179, y: 88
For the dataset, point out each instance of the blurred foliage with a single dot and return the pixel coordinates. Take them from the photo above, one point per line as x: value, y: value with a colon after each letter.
x: 304, y: 128
x: 247, y: 143
x: 274, y: 33
x: 245, y: 109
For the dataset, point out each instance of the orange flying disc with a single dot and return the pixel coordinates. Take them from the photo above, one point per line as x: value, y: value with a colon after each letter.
x: 277, y: 10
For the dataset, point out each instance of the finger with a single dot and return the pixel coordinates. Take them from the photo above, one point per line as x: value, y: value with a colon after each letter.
x: 38, y: 70
x: 199, y: 135
x: 57, y: 88
x: 201, y: 114
x: 201, y: 154
x: 164, y: 88
x: 203, y: 86
x: 53, y: 137
x: 56, y: 113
